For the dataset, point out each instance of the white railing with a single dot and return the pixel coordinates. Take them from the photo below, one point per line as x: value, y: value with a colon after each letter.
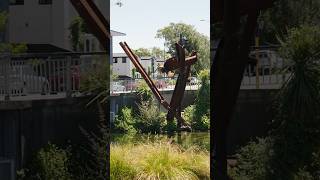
x: 163, y: 84
x: 266, y: 74
x: 45, y: 74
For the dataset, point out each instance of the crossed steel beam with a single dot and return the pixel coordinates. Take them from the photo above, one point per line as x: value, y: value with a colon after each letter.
x: 95, y: 20
x: 180, y: 63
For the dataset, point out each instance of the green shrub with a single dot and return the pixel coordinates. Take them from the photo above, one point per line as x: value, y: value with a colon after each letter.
x: 188, y: 114
x: 296, y: 132
x: 51, y: 163
x: 124, y: 122
x: 144, y: 92
x: 171, y: 126
x: 302, y: 174
x: 150, y: 119
x: 202, y: 105
x: 197, y: 123
x: 252, y: 161
x: 205, y: 123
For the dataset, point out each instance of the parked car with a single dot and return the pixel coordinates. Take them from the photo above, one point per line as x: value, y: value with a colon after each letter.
x: 117, y: 87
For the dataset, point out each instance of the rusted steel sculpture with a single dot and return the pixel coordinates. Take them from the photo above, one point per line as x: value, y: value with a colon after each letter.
x: 180, y: 63
x: 95, y: 20
x: 227, y: 69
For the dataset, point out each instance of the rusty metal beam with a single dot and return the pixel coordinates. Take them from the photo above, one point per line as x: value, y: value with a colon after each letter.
x: 173, y: 64
x: 179, y: 89
x: 94, y: 19
x: 144, y: 74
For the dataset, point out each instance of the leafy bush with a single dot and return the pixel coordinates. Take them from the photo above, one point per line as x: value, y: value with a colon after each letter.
x: 252, y: 160
x: 51, y: 162
x: 292, y: 153
x: 124, y: 122
x: 171, y: 126
x: 144, y: 92
x: 150, y: 119
x: 202, y: 105
x: 296, y: 134
x: 188, y: 114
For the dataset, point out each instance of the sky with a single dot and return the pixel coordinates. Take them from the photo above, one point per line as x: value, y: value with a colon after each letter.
x: 140, y: 20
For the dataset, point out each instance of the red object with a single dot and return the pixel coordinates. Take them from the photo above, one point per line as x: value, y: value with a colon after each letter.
x: 58, y: 81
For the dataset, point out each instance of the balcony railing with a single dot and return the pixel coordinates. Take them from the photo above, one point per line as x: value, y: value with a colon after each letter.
x: 45, y: 74
x: 163, y: 84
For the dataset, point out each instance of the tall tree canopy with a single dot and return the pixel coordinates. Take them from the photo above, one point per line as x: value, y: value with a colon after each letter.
x: 287, y: 14
x: 196, y: 42
x: 154, y: 52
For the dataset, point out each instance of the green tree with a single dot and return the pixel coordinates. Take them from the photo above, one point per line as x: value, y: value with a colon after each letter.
x: 202, y: 106
x: 77, y: 28
x: 196, y: 42
x: 286, y: 14
x: 142, y: 52
x: 159, y: 53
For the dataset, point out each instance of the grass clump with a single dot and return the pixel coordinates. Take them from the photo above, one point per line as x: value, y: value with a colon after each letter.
x: 158, y: 160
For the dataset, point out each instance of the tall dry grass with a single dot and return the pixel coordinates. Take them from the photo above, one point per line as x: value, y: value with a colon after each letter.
x: 157, y: 161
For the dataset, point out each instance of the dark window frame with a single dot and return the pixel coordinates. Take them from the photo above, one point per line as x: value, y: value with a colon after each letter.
x: 45, y: 2
x: 115, y: 60
x: 124, y: 60
x: 16, y: 2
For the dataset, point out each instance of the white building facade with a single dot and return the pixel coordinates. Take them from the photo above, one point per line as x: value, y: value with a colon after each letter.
x: 46, y: 22
x: 124, y: 68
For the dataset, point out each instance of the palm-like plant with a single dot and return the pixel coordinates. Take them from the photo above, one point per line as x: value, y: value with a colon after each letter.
x: 300, y: 94
x: 296, y: 134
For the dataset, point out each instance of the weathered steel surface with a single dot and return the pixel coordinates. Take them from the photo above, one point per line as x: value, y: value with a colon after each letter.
x: 94, y: 19
x: 178, y: 93
x: 173, y: 64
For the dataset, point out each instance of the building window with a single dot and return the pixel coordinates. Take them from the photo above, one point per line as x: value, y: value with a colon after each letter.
x: 45, y: 1
x: 16, y: 2
x: 124, y: 60
x: 115, y: 60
